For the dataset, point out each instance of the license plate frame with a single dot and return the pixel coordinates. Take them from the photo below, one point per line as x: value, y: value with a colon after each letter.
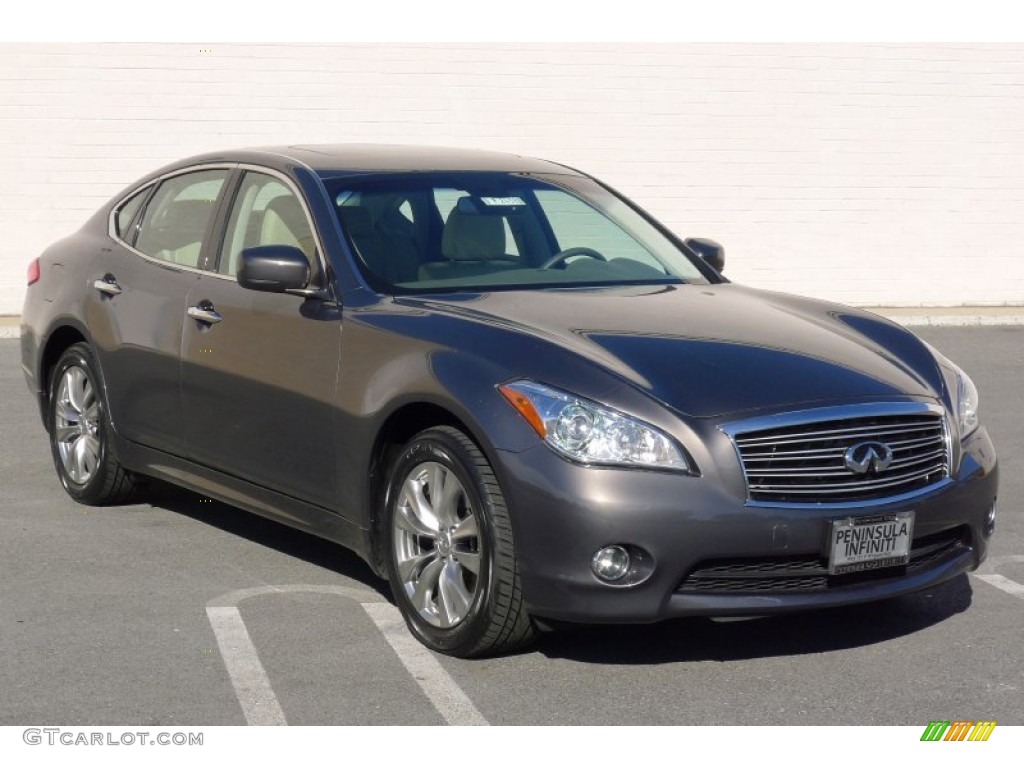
x: 868, y: 543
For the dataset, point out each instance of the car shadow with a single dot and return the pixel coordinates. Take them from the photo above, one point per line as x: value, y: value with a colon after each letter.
x: 267, y: 533
x: 700, y: 639
x: 673, y: 641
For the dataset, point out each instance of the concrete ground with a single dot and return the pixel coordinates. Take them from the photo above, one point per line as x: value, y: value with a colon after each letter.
x: 104, y: 619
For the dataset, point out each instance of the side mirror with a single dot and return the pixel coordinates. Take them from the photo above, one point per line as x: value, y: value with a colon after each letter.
x: 273, y: 268
x: 713, y: 253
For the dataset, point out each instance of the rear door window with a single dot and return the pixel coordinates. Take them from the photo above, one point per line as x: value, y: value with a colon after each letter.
x: 177, y: 216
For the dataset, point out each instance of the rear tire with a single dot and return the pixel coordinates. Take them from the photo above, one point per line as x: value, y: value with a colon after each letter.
x: 451, y: 556
x: 80, y: 433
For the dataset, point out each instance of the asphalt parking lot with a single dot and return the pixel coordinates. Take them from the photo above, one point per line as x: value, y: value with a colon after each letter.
x: 104, y: 620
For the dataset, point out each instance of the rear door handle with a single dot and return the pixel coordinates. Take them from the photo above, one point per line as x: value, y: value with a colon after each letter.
x: 107, y: 285
x: 204, y: 313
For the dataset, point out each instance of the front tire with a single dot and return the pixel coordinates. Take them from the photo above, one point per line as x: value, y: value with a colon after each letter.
x: 451, y: 553
x: 80, y: 432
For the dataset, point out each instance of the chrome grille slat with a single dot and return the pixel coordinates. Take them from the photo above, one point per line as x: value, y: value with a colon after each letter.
x: 909, y: 461
x: 845, y: 431
x: 818, y: 487
x: 896, y: 445
x: 805, y: 462
x: 838, y: 470
x: 902, y: 445
x: 819, y: 452
x: 830, y: 436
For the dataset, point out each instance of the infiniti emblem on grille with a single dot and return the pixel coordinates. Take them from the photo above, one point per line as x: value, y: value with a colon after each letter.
x: 869, y: 456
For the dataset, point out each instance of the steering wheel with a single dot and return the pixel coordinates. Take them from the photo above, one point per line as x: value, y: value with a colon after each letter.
x: 568, y: 253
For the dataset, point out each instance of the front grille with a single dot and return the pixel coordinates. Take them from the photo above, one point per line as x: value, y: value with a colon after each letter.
x: 807, y: 573
x: 807, y: 463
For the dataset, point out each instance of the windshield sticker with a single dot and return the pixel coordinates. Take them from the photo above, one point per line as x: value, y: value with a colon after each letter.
x: 503, y: 201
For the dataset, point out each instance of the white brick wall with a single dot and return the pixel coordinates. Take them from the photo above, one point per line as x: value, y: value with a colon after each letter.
x: 871, y: 174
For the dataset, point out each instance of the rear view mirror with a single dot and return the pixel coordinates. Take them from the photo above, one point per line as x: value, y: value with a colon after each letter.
x: 712, y: 252
x: 273, y: 269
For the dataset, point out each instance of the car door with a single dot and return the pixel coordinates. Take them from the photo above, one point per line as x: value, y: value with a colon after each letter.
x: 259, y: 369
x: 136, y: 308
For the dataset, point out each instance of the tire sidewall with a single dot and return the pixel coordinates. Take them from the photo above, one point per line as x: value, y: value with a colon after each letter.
x: 79, y: 355
x: 436, y: 446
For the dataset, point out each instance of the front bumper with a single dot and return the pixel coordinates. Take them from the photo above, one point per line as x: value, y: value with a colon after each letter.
x: 563, y: 513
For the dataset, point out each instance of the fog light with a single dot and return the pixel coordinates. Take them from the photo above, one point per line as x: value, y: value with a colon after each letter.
x: 990, y: 520
x: 610, y: 563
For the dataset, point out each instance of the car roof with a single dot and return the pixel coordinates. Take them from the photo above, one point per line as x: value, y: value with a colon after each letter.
x: 339, y: 159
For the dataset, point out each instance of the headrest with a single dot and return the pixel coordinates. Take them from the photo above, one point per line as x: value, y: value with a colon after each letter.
x: 288, y: 210
x: 356, y: 220
x: 473, y: 236
x: 187, y: 214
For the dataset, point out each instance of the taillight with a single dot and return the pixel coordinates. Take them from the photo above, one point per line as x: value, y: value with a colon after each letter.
x: 33, y: 271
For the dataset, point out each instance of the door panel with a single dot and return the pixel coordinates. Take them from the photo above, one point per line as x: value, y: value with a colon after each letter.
x: 258, y: 388
x: 136, y: 302
x: 137, y: 336
x: 259, y: 369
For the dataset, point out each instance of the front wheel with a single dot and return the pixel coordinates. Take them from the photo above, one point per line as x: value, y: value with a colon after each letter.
x: 451, y: 553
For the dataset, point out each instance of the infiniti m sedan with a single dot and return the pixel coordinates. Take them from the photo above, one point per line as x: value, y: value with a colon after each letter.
x: 519, y: 397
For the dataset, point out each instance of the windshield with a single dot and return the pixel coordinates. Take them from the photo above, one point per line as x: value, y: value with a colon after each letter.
x: 441, y: 232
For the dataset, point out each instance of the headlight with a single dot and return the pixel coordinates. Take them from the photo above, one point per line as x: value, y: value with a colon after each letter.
x: 966, y: 403
x: 584, y: 431
x: 966, y: 394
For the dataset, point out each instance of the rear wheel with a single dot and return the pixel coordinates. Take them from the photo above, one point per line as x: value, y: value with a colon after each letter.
x: 80, y: 433
x: 451, y: 553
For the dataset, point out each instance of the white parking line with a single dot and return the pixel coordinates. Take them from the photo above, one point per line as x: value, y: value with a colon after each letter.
x: 252, y: 687
x: 443, y: 692
x: 1001, y: 582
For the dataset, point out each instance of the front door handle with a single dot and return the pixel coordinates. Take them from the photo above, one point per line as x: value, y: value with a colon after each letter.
x: 107, y: 285
x: 204, y: 313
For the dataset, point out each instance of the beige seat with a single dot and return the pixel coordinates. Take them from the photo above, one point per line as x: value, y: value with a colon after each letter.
x: 178, y: 235
x: 389, y: 256
x: 285, y: 223
x: 474, y: 244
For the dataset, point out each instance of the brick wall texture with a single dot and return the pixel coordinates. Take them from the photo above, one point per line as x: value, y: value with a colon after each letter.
x: 868, y: 174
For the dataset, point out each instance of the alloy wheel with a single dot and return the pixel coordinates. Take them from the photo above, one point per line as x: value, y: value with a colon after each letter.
x: 437, y: 544
x: 77, y: 424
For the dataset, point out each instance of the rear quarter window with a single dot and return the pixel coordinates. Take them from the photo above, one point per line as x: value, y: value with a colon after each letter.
x: 126, y: 213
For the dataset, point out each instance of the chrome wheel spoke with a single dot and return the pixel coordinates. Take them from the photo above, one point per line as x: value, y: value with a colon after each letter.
x: 90, y: 453
x: 406, y: 519
x: 413, y: 513
x: 88, y: 396
x: 77, y: 468
x: 454, y: 599
x: 77, y: 382
x: 408, y: 569
x: 66, y: 433
x: 466, y: 529
x: 445, y: 492
x: 421, y: 509
x: 66, y: 412
x: 426, y: 586
x: 468, y: 560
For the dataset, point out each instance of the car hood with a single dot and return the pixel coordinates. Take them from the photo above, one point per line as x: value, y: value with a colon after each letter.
x: 707, y: 350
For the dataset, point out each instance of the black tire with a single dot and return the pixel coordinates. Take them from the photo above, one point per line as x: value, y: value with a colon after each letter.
x: 107, y: 481
x: 497, y: 621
